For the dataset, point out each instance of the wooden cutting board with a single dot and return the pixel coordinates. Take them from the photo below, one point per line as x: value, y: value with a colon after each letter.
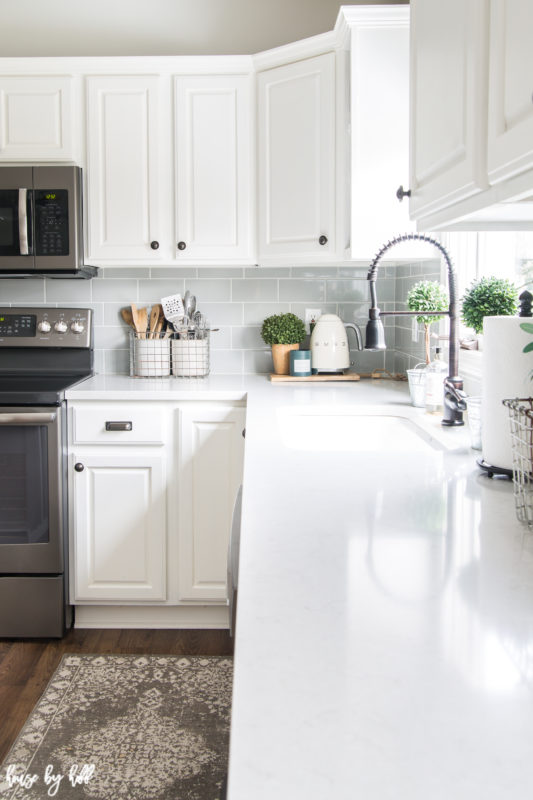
x: 350, y: 376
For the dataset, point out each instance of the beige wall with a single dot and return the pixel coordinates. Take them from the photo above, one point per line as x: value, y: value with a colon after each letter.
x: 159, y: 27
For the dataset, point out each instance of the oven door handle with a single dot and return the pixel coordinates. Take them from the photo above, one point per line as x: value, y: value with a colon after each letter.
x: 23, y: 222
x: 31, y: 418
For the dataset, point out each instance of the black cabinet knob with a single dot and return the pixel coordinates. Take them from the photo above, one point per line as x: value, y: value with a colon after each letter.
x: 401, y: 193
x: 181, y: 245
x: 323, y: 240
x: 79, y: 467
x: 154, y: 245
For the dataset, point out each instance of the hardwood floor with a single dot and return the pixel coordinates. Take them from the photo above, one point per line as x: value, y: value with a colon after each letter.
x: 26, y: 665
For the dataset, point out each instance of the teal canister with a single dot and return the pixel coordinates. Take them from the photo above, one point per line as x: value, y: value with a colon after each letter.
x: 300, y: 366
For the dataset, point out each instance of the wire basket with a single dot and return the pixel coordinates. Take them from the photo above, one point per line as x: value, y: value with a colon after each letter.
x: 521, y: 418
x: 160, y: 356
x: 149, y: 355
x: 190, y: 357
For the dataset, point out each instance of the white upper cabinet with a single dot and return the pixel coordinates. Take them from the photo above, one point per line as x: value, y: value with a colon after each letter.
x: 448, y: 102
x: 122, y: 168
x: 296, y: 147
x: 471, y: 114
x: 36, y: 120
x: 213, y: 151
x: 510, y: 129
x: 379, y: 128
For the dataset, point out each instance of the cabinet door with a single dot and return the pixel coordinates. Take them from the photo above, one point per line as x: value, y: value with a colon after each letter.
x: 296, y: 140
x: 379, y: 105
x: 211, y: 464
x: 36, y: 118
x: 213, y: 168
x: 122, y: 170
x: 510, y: 138
x: 119, y: 541
x: 448, y: 102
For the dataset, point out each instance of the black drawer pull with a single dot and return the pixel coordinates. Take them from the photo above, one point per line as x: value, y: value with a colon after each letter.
x: 119, y: 426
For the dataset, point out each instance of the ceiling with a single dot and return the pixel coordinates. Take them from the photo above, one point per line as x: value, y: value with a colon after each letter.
x: 160, y: 27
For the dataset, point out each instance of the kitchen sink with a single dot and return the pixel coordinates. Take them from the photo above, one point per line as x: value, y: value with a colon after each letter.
x: 354, y: 430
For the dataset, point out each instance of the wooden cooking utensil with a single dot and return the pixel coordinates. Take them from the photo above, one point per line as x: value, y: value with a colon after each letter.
x: 140, y: 320
x: 142, y: 317
x: 160, y: 320
x: 154, y: 317
x: 127, y: 317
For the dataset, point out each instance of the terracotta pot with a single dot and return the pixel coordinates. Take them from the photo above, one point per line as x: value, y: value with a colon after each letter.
x: 280, y: 357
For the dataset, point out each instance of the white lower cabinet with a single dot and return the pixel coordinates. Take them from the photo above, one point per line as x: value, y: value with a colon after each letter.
x: 120, y: 527
x: 151, y: 492
x: 210, y: 472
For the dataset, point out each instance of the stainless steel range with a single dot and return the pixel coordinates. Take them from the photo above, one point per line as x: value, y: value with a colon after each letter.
x: 43, y: 352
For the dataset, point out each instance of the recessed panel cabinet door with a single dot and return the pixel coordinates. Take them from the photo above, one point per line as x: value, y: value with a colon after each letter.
x: 510, y: 140
x: 122, y: 170
x: 119, y: 528
x: 213, y: 168
x: 296, y: 139
x: 36, y: 118
x: 448, y: 102
x: 211, y: 465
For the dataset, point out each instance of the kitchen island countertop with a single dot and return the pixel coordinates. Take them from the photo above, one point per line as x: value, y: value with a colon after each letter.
x: 384, y: 641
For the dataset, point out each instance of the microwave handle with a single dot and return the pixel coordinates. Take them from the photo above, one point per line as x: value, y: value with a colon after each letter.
x: 23, y: 222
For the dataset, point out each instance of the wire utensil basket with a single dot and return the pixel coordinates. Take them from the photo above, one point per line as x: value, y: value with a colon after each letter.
x: 521, y: 418
x: 158, y: 355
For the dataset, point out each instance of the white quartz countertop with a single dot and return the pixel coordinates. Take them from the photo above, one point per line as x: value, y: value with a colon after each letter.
x: 384, y: 646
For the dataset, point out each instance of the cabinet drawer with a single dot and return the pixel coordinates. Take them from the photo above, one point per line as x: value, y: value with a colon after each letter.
x: 120, y: 424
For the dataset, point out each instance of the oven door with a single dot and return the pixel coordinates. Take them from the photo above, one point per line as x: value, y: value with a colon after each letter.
x: 31, y: 496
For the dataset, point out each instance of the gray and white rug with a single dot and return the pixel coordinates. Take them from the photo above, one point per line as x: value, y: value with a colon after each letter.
x: 125, y: 728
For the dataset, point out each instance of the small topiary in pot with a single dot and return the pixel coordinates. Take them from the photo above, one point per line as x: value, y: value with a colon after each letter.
x: 488, y: 297
x: 283, y: 332
x: 427, y: 296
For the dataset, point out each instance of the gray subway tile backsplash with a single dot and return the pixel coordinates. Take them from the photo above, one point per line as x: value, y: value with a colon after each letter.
x: 236, y: 300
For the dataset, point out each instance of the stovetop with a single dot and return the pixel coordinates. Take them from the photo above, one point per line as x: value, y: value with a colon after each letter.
x: 29, y: 390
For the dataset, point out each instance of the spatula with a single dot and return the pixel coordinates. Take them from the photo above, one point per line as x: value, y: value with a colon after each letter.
x: 154, y: 316
x: 173, y: 308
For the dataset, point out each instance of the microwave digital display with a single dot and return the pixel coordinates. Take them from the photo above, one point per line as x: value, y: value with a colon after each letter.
x: 51, y: 217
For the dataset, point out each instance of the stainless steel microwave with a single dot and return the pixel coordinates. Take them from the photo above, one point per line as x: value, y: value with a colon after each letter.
x: 41, y: 222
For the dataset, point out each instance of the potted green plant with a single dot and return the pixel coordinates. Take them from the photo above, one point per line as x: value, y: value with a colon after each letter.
x: 488, y: 297
x: 283, y: 332
x: 427, y: 296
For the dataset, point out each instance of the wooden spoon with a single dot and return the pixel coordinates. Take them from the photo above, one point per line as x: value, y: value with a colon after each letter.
x: 160, y: 320
x: 154, y: 317
x: 127, y: 317
x: 142, y: 317
x: 140, y: 320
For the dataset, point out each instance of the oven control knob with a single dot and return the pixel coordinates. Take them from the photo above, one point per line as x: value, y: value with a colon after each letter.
x: 61, y: 326
x: 77, y: 327
x: 44, y: 326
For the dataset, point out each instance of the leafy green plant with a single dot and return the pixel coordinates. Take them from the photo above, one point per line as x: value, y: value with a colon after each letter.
x: 528, y: 328
x: 427, y: 296
x: 488, y: 297
x: 283, y: 329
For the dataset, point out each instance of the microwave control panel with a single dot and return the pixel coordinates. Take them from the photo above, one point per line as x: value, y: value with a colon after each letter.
x: 51, y: 222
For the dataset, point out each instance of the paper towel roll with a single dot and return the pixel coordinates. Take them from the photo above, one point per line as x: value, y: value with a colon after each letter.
x: 506, y: 373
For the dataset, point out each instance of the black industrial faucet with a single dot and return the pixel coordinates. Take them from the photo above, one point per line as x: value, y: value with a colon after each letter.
x: 454, y: 396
